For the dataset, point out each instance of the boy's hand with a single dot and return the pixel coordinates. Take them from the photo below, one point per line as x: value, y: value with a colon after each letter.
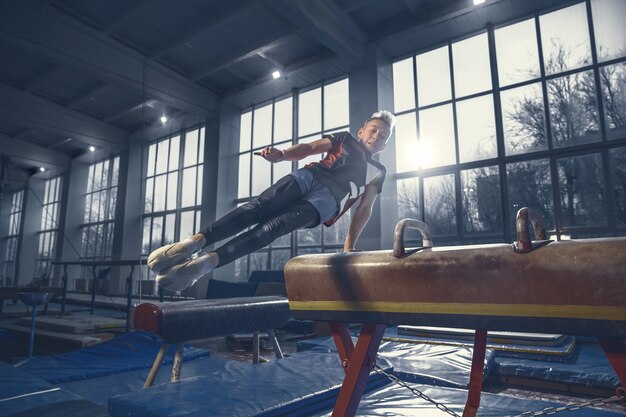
x: 271, y: 154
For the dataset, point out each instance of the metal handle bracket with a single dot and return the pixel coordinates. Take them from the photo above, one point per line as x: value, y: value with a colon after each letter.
x: 399, y: 249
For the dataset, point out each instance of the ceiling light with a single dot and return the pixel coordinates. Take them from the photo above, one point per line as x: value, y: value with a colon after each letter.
x: 42, y: 169
x: 163, y: 119
x: 276, y: 74
x: 477, y: 2
x: 92, y: 148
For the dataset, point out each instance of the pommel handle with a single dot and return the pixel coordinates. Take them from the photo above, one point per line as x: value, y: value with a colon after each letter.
x: 399, y: 249
x: 524, y: 242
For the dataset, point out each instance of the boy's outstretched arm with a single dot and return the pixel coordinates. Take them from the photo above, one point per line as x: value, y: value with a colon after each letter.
x: 361, y: 216
x: 296, y: 152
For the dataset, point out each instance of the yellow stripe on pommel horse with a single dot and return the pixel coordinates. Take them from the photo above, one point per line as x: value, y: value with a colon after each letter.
x: 573, y: 287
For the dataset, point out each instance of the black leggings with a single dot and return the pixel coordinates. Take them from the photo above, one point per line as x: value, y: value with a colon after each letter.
x: 276, y: 211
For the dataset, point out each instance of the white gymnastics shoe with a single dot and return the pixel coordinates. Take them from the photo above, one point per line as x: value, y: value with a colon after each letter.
x: 184, y: 275
x: 174, y: 253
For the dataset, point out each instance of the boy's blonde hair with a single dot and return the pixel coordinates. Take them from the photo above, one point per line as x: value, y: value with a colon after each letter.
x: 386, y: 116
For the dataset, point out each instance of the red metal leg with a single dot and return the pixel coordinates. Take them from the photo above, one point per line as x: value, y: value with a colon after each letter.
x: 343, y: 342
x: 476, y: 375
x: 357, y: 362
x: 615, y: 350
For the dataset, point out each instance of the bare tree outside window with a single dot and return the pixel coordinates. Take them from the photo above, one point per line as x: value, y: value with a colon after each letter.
x: 529, y: 185
x: 565, y: 39
x: 408, y: 199
x: 573, y: 109
x: 481, y: 200
x: 100, y: 205
x: 523, y: 119
x: 476, y: 129
x: 581, y: 190
x: 440, y: 204
x: 558, y: 124
x: 618, y: 176
x: 609, y: 28
x: 613, y: 82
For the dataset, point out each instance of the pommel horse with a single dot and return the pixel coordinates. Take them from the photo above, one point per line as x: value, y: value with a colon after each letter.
x: 574, y: 287
x: 181, y: 321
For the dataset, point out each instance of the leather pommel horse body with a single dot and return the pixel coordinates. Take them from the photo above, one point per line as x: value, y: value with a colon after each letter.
x: 574, y: 287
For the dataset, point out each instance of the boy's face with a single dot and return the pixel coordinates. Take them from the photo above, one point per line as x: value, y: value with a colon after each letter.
x: 374, y: 135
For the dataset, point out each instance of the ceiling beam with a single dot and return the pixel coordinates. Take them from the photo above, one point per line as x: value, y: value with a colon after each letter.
x: 414, y: 7
x: 453, y: 19
x: 85, y: 94
x: 114, y: 23
x: 316, y: 63
x: 268, y: 58
x: 43, y: 76
x: 228, y: 10
x: 22, y: 133
x: 237, y: 73
x: 155, y: 125
x: 59, y: 143
x: 43, y: 115
x: 63, y: 40
x: 260, y: 45
x: 39, y: 156
x: 129, y: 109
x: 155, y: 130
x: 325, y: 22
x: 432, y: 16
x: 352, y: 5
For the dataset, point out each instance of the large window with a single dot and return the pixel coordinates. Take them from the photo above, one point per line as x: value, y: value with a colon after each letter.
x: 270, y: 124
x: 49, y: 229
x: 8, y: 277
x: 321, y: 109
x: 100, y: 204
x: 173, y: 189
x: 527, y: 114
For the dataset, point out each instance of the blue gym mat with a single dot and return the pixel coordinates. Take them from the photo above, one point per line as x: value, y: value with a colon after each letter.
x: 440, y: 365
x: 99, y: 390
x: 24, y: 395
x: 393, y: 400
x: 588, y: 367
x: 298, y: 385
x: 425, y: 363
x: 536, y: 346
x: 126, y: 352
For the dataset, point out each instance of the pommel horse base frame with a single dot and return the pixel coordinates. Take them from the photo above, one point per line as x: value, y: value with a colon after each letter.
x: 360, y: 359
x: 178, y: 356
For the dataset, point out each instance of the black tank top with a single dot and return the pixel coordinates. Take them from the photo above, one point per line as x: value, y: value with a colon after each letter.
x: 344, y: 170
